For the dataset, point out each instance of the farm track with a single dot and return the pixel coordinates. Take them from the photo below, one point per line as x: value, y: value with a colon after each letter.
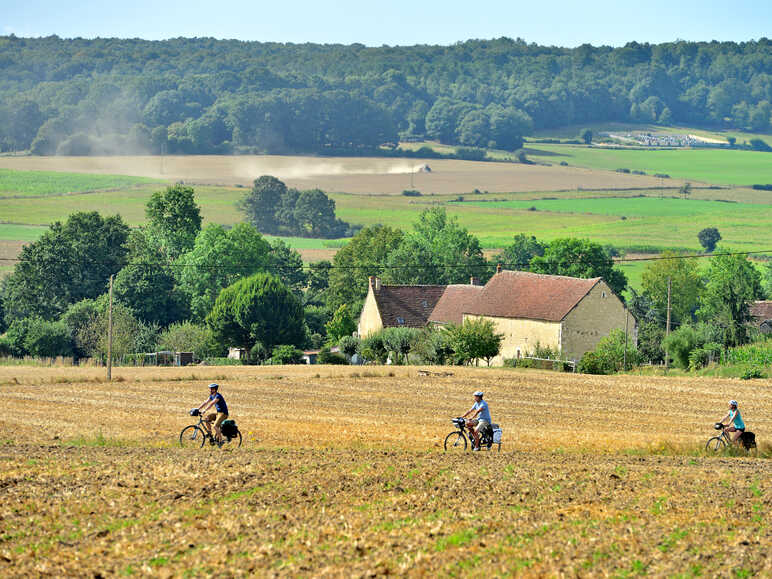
x: 342, y: 474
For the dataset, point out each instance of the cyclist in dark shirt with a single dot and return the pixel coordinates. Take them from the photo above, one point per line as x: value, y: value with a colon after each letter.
x: 220, y: 407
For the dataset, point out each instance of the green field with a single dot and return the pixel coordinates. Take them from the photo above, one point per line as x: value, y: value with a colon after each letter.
x: 716, y: 166
x: 573, y: 131
x: 44, y: 183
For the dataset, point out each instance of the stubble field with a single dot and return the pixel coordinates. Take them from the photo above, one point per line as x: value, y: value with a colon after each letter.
x: 342, y: 474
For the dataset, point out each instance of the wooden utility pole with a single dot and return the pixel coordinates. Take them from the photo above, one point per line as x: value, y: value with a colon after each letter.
x: 667, y: 327
x: 624, y: 357
x: 110, y: 335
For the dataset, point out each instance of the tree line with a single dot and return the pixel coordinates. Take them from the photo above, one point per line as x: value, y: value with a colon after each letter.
x: 179, y: 285
x: 101, y: 96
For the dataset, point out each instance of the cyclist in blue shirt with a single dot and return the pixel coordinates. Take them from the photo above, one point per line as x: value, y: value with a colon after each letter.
x: 734, y: 422
x: 220, y: 413
x: 480, y: 419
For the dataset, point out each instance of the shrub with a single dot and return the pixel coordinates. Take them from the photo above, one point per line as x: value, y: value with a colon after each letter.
x: 374, y: 348
x: 701, y: 357
x: 327, y: 357
x: 189, y: 337
x: 679, y: 344
x: 349, y: 345
x: 594, y: 363
x: 762, y: 187
x: 286, y: 354
x: 609, y: 355
x: 623, y: 170
x: 470, y: 153
x: 662, y: 175
x: 752, y: 372
x: 48, y: 339
x: 6, y: 348
x: 411, y: 193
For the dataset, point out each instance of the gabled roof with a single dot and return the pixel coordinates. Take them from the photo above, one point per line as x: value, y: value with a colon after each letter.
x: 534, y: 296
x: 761, y: 310
x: 407, y: 305
x: 455, y: 300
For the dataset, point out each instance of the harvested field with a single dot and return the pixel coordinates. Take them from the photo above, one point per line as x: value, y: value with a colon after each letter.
x: 341, y: 474
x: 342, y: 174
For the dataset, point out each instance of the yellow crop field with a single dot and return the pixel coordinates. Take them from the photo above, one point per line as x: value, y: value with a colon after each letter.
x: 364, y: 175
x: 342, y: 473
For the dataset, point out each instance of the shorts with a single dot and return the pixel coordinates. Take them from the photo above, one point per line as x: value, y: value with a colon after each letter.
x: 219, y: 420
x: 481, y: 424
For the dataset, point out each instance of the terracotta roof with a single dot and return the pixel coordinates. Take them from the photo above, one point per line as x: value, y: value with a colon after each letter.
x: 534, y: 296
x: 455, y: 300
x: 761, y: 310
x: 407, y: 305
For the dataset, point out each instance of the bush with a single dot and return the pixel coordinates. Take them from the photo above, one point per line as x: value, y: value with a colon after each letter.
x: 189, y: 337
x: 470, y: 154
x: 374, y: 348
x: 679, y: 344
x: 752, y: 372
x: 662, y: 175
x: 327, y: 357
x: 759, y: 145
x: 6, y: 348
x: 349, y: 345
x: 594, y: 363
x: 286, y: 354
x: 411, y: 193
x: 622, y: 170
x: 707, y: 354
x: 48, y: 339
x: 222, y: 361
x: 762, y: 187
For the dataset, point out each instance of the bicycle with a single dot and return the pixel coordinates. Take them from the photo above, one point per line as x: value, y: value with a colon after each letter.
x: 457, y: 440
x: 196, y: 435
x: 722, y: 441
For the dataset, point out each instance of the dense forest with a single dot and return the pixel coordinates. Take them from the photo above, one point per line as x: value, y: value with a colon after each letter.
x: 80, y: 96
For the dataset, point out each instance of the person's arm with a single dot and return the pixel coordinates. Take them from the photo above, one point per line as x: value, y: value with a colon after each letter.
x: 468, y: 412
x: 724, y: 419
x: 205, y: 406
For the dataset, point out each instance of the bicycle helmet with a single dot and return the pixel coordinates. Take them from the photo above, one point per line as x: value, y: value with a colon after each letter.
x: 733, y: 403
x: 214, y: 386
x: 478, y: 393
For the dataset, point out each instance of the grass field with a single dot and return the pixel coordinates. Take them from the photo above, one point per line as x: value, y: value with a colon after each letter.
x: 717, y: 166
x: 347, y: 479
x: 44, y: 183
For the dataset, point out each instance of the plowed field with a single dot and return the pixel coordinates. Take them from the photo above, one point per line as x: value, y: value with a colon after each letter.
x: 342, y: 474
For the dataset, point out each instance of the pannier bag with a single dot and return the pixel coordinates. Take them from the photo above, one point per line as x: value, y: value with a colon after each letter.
x: 496, y: 434
x: 748, y: 440
x: 229, y: 428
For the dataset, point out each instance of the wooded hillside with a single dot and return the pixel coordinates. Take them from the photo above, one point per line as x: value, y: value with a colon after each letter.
x: 80, y: 96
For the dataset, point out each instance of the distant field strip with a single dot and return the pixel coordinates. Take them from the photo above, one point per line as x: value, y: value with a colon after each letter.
x: 719, y: 166
x: 635, y: 207
x: 45, y: 183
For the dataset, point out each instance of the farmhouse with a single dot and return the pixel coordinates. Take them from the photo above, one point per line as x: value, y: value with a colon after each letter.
x: 761, y: 315
x: 568, y: 314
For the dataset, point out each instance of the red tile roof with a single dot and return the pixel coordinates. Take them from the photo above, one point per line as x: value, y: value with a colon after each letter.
x: 455, y: 300
x: 407, y: 305
x: 761, y: 310
x: 525, y: 295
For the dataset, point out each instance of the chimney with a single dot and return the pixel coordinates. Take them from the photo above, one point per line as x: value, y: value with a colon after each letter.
x: 498, y: 268
x: 375, y: 282
x: 474, y: 280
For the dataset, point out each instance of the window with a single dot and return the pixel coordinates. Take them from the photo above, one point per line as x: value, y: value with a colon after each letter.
x: 603, y: 294
x: 401, y: 321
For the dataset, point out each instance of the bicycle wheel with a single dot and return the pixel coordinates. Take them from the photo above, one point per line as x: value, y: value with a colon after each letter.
x: 715, y: 444
x: 233, y: 442
x: 192, y: 437
x: 455, y: 441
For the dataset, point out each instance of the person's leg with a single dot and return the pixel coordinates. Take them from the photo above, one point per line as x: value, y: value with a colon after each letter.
x: 470, y: 424
x: 733, y: 433
x: 217, y: 429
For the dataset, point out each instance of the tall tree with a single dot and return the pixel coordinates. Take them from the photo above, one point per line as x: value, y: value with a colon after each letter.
x: 71, y: 261
x: 260, y: 204
x: 520, y: 252
x: 579, y: 258
x: 438, y: 251
x: 257, y: 309
x: 174, y: 220
x: 685, y: 284
x: 365, y: 255
x: 220, y: 257
x: 732, y: 283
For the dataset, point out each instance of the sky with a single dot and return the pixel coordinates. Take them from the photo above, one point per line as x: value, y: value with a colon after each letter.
x: 394, y: 22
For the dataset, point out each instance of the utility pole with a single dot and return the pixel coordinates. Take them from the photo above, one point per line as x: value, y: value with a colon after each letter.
x: 667, y: 327
x: 624, y: 357
x: 110, y: 335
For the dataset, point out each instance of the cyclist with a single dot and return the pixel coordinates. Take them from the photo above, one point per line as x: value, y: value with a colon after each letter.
x: 220, y: 413
x: 734, y: 422
x: 480, y: 419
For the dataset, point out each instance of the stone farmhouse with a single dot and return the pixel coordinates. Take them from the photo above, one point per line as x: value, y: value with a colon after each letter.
x: 568, y: 314
x: 761, y: 315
